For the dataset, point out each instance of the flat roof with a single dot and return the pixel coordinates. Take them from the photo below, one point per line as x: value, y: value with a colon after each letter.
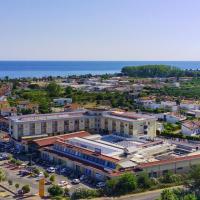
x: 128, y: 116
x: 51, y: 116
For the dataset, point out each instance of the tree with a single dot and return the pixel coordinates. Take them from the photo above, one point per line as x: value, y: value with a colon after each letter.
x: 190, y: 197
x: 143, y: 181
x: 126, y: 183
x: 46, y: 175
x: 53, y: 89
x: 66, y: 192
x: 10, y: 182
x: 52, y: 178
x: 84, y: 193
x: 194, y: 179
x: 55, y: 190
x: 68, y: 91
x: 2, y: 175
x: 17, y: 185
x: 26, y: 189
x: 168, y: 195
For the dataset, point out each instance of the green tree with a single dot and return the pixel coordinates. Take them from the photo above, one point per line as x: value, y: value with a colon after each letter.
x: 194, y: 179
x: 143, y: 181
x: 190, y: 197
x: 126, y: 183
x: 55, y: 190
x: 2, y: 175
x: 52, y: 178
x: 68, y: 91
x: 84, y: 193
x: 168, y: 195
x: 10, y: 182
x: 53, y: 89
x: 17, y: 185
x: 46, y: 174
x: 26, y: 189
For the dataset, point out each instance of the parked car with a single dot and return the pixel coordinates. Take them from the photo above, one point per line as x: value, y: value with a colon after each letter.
x: 76, y: 181
x: 100, y: 184
x: 63, y: 183
x: 51, y: 170
x: 83, y: 177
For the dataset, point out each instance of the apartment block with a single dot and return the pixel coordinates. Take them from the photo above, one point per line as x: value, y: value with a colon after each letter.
x: 94, y: 121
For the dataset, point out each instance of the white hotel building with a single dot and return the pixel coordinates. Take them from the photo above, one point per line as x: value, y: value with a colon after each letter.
x: 94, y: 121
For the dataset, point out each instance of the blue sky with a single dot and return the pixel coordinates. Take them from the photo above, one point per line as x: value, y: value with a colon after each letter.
x: 99, y: 30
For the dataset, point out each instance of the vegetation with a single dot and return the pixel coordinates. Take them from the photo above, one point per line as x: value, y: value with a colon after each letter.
x: 52, y: 178
x: 26, y: 189
x: 53, y: 89
x: 150, y: 71
x: 189, y: 89
x: 55, y: 190
x: 192, y: 184
x: 84, y: 193
x: 10, y: 182
x: 17, y: 185
x: 2, y: 175
x: 126, y: 183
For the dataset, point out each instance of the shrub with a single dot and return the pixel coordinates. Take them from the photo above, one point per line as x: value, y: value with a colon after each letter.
x: 52, y: 178
x: 10, y: 182
x: 55, y: 190
x: 26, y: 189
x: 84, y: 193
x: 17, y: 185
x: 46, y: 175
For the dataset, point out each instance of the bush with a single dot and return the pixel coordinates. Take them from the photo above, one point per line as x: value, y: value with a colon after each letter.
x: 46, y: 175
x: 55, y: 190
x: 52, y: 178
x: 143, y: 181
x: 26, y: 189
x: 10, y: 182
x: 17, y: 185
x: 124, y: 184
x: 84, y: 193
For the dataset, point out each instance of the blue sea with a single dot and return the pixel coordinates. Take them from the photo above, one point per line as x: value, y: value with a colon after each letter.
x: 18, y: 69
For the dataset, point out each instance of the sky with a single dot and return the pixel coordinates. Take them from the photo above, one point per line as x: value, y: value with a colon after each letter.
x: 100, y: 30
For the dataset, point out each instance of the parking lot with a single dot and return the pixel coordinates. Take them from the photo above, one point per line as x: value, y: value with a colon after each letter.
x: 24, y: 174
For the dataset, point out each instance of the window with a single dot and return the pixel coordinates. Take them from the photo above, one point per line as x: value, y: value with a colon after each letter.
x: 32, y: 129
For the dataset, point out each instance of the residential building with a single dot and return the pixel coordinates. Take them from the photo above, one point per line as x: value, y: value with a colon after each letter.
x: 96, y: 120
x: 191, y: 127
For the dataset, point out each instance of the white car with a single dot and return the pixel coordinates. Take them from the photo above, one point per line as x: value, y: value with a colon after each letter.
x: 63, y: 183
x: 51, y: 170
x: 75, y: 181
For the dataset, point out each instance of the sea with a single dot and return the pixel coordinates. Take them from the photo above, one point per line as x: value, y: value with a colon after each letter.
x: 20, y: 69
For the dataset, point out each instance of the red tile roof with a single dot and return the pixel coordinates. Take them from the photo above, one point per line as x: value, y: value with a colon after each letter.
x: 43, y: 142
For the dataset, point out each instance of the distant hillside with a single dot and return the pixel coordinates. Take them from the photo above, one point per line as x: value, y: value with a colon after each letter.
x: 152, y: 71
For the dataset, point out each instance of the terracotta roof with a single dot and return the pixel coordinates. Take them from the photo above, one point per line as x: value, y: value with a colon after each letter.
x: 195, y: 124
x: 87, y: 151
x: 163, y: 162
x: 43, y: 142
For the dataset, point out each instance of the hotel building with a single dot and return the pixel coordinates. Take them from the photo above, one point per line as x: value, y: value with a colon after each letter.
x: 94, y: 121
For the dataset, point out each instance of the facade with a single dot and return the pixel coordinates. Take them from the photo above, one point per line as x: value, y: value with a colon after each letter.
x: 103, y: 157
x: 98, y: 121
